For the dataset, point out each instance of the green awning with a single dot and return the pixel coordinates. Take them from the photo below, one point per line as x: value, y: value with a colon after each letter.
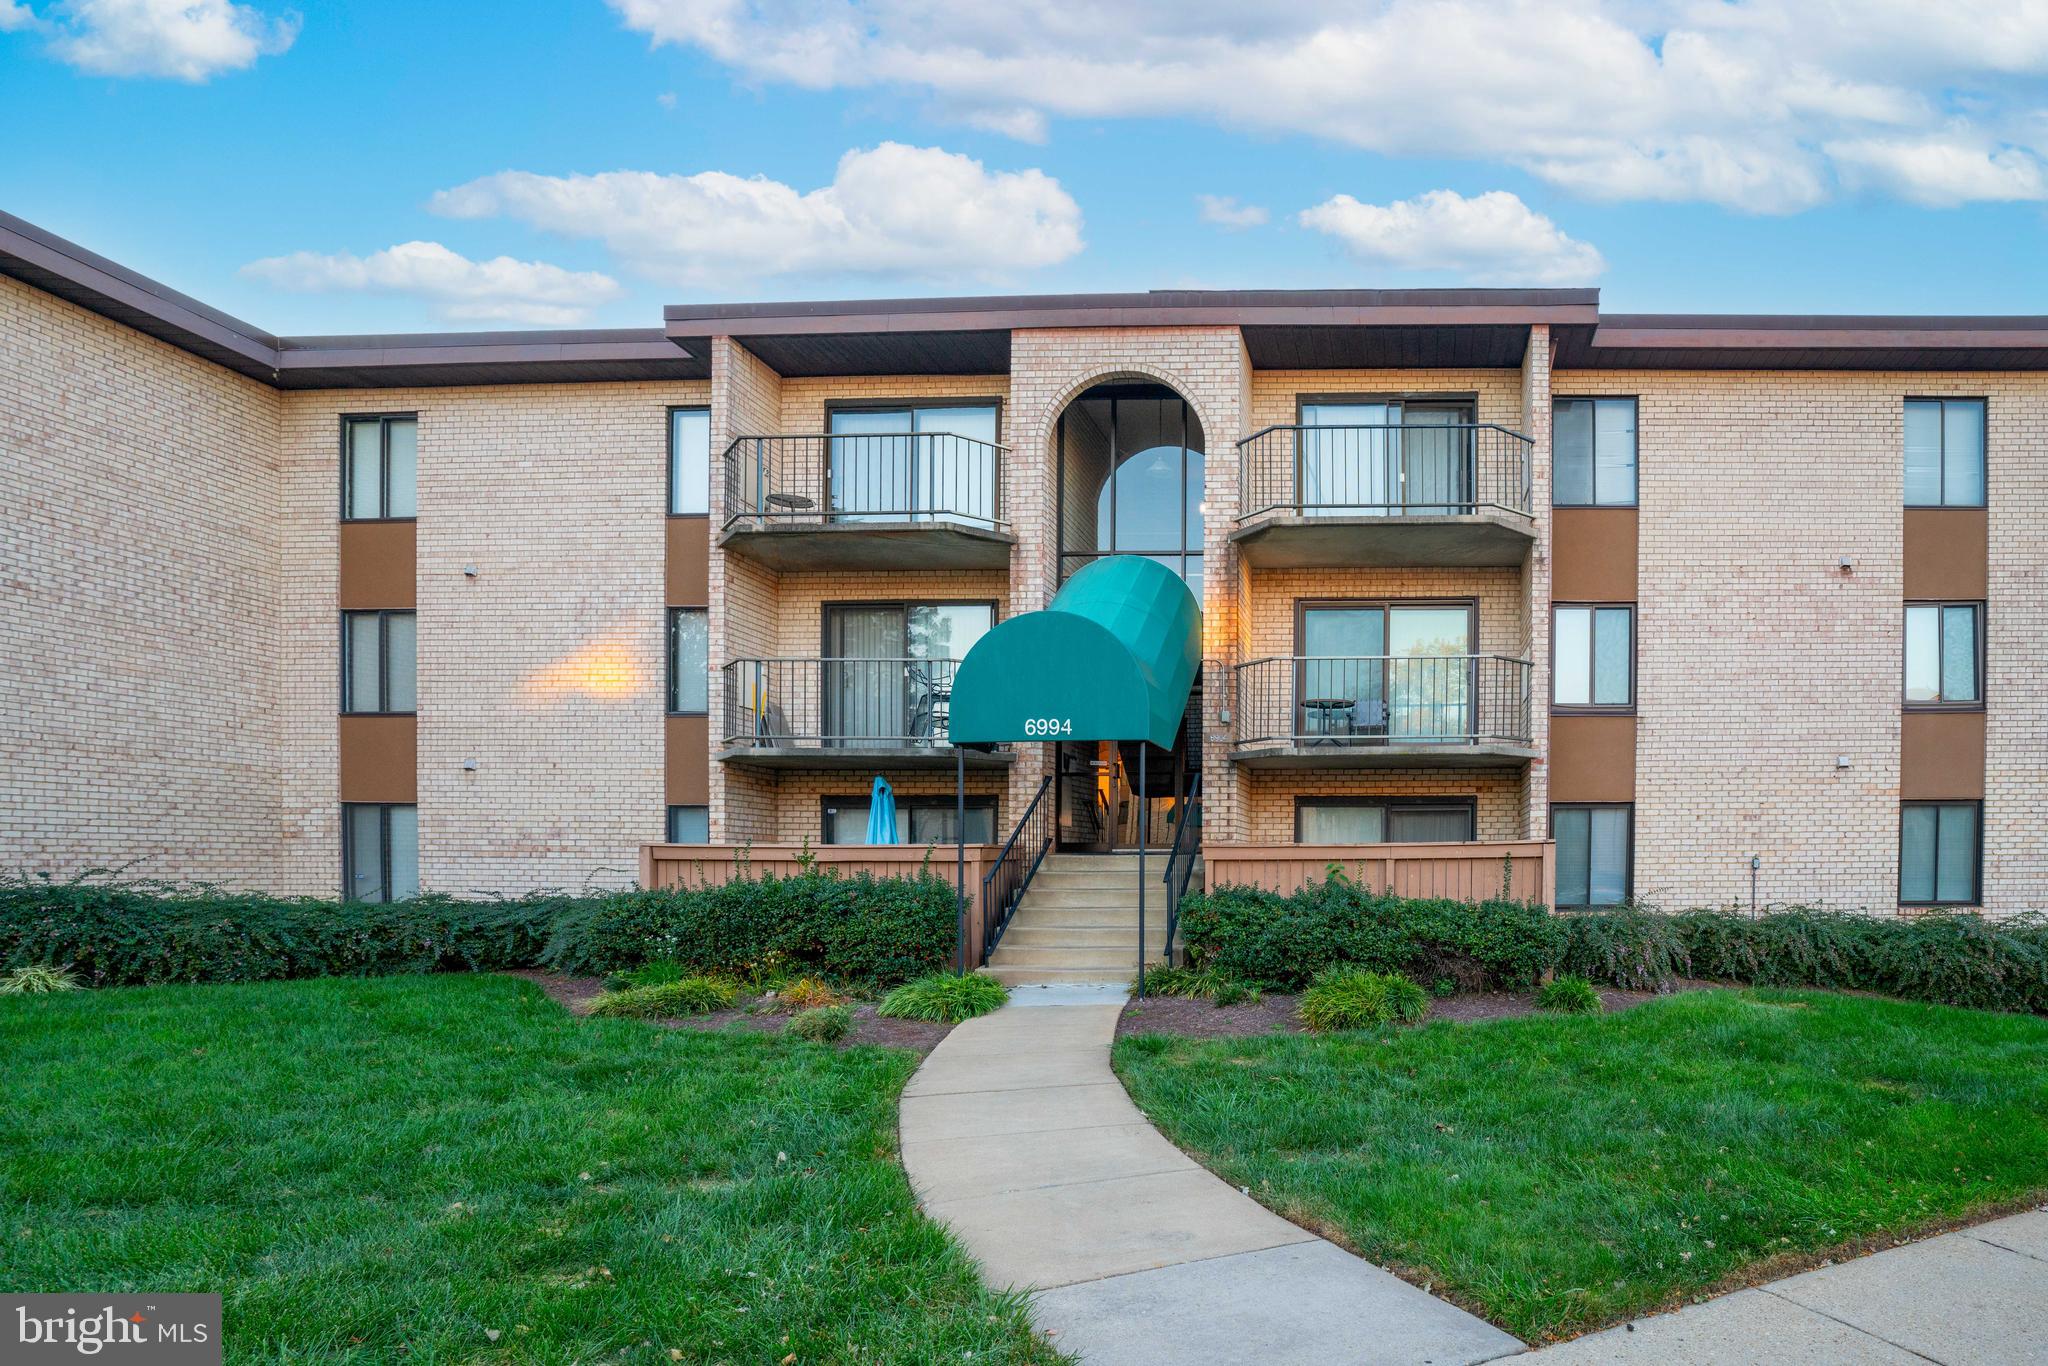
x: 1112, y: 658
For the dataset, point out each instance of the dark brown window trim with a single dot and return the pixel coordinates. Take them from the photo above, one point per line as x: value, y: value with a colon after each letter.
x: 384, y: 453
x: 669, y: 450
x: 827, y: 607
x: 1627, y: 708
x: 1468, y: 399
x: 1977, y: 873
x: 1628, y: 891
x: 1983, y: 400
x: 1636, y: 399
x: 1302, y: 606
x: 1469, y: 803
x: 1184, y: 552
x: 669, y: 653
x: 383, y: 662
x: 1983, y: 654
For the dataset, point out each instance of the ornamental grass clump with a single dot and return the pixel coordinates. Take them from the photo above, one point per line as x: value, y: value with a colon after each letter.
x: 823, y: 1024
x: 944, y: 999
x: 806, y: 993
x: 1197, y: 984
x: 38, y: 979
x: 1569, y: 996
x: 1346, y: 998
x: 664, y: 1000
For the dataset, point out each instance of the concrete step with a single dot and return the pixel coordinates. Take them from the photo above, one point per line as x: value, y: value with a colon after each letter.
x: 1008, y: 955
x: 1100, y: 863
x: 1087, y: 897
x: 1031, y: 934
x: 1094, y: 917
x: 1031, y: 977
x: 1082, y: 880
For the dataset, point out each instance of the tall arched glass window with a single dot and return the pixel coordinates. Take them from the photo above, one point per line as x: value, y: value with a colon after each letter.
x: 1131, y: 479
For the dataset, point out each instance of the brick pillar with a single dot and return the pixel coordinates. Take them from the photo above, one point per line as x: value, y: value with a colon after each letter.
x: 1536, y: 425
x: 746, y: 400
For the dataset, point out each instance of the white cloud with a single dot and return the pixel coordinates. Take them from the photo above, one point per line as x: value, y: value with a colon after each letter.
x: 498, y: 290
x: 1738, y: 103
x: 891, y: 211
x: 1941, y: 172
x: 1226, y: 212
x: 186, y: 40
x: 1491, y: 238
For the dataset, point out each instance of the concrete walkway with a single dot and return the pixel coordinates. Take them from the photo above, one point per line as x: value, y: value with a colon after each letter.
x: 1977, y: 1296
x: 1018, y: 1137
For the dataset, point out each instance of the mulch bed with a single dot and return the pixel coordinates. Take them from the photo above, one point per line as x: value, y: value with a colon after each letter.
x: 1273, y: 1013
x: 575, y: 994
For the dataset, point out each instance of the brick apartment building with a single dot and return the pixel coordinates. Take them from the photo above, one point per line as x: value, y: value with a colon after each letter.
x: 1725, y: 606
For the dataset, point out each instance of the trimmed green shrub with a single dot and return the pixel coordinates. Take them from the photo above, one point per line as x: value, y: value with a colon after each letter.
x: 1281, y: 942
x: 944, y: 998
x: 1345, y: 998
x: 1569, y: 996
x: 859, y: 929
x: 822, y: 1024
x: 1627, y: 947
x: 664, y: 1000
x: 37, y: 979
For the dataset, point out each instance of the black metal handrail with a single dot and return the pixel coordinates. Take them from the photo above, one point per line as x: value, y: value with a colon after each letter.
x: 1180, y: 858
x: 838, y: 703
x: 1385, y: 469
x: 886, y: 479
x: 1366, y: 700
x: 1002, y: 887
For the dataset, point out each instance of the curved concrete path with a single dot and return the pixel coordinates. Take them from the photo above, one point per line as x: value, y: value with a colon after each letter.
x: 1019, y: 1138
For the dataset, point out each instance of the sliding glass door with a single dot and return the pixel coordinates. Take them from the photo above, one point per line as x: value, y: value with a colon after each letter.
x: 1392, y: 671
x: 888, y: 669
x: 913, y: 464
x: 1385, y: 458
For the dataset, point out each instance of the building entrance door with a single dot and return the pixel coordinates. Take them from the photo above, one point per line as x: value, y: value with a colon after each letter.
x: 1101, y: 809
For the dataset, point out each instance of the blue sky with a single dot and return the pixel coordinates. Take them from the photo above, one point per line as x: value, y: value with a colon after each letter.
x: 631, y: 153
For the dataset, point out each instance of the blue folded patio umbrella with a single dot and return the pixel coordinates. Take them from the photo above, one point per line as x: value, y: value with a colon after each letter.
x: 882, y: 813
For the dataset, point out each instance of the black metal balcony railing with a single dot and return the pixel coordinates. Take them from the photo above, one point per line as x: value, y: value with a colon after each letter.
x: 907, y: 478
x: 1372, y: 700
x: 1385, y: 470
x: 837, y: 703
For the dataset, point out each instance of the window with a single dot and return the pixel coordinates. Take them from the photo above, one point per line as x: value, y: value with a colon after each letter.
x: 1939, y: 863
x: 1944, y: 654
x: 1383, y: 671
x: 689, y: 462
x: 380, y: 852
x: 888, y: 674
x: 1373, y: 458
x: 1945, y: 452
x: 1386, y: 820
x: 1593, y: 653
x: 907, y: 463
x: 689, y: 661
x: 379, y: 464
x: 377, y: 674
x: 1594, y: 452
x: 1594, y: 853
x: 689, y: 825
x: 919, y: 820
x: 1131, y: 479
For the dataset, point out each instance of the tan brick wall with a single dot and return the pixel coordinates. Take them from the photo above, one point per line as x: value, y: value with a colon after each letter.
x: 1498, y: 594
x: 799, y: 797
x: 746, y: 398
x: 1758, y: 660
x: 548, y: 668
x: 2016, y: 635
x: 1535, y: 422
x: 139, y: 597
x: 804, y: 398
x: 1270, y: 794
x: 1276, y: 394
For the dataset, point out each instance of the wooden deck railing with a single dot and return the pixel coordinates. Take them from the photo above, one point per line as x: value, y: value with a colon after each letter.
x: 713, y: 865
x: 1462, y: 872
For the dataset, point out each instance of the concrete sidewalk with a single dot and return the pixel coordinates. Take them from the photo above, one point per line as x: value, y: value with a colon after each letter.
x: 1018, y: 1137
x: 1977, y: 1296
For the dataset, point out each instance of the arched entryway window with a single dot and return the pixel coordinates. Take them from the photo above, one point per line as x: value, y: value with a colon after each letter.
x: 1130, y: 461
x: 1130, y: 483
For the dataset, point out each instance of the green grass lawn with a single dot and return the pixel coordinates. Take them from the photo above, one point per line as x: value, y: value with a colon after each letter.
x: 1556, y: 1173
x: 443, y: 1169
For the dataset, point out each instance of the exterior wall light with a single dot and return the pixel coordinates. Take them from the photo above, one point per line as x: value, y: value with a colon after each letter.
x: 469, y: 765
x: 469, y: 570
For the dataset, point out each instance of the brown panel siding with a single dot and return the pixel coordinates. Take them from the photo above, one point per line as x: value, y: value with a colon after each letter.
x: 378, y: 565
x: 1592, y: 758
x: 689, y: 561
x: 1941, y: 756
x: 1947, y: 552
x: 688, y: 744
x: 379, y: 760
x: 1593, y: 553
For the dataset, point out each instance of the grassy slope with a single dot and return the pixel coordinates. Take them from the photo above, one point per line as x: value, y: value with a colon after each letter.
x: 360, y: 1164
x: 1557, y: 1173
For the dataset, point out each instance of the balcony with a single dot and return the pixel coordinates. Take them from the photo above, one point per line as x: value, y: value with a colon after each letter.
x: 1387, y: 494
x: 1382, y: 711
x: 842, y: 713
x: 925, y: 500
